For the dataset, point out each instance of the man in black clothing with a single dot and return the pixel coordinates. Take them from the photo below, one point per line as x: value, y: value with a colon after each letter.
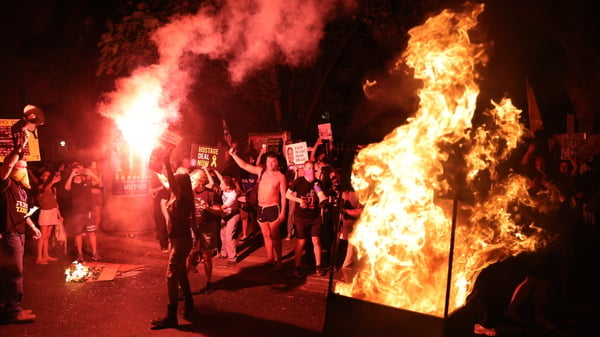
x: 14, y: 220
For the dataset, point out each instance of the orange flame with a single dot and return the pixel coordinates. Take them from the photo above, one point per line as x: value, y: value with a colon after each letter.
x: 407, y: 182
x: 77, y: 272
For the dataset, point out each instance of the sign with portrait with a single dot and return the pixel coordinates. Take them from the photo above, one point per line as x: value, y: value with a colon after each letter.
x: 296, y: 154
x: 325, y: 131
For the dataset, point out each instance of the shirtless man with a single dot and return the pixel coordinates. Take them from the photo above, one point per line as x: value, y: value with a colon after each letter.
x: 272, y: 186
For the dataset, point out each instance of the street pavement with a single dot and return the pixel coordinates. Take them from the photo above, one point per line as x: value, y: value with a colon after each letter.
x: 249, y: 299
x: 252, y: 299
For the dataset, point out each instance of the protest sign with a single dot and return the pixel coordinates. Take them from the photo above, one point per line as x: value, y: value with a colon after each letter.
x: 296, y: 154
x: 273, y: 141
x: 206, y: 156
x: 325, y: 131
x: 32, y: 149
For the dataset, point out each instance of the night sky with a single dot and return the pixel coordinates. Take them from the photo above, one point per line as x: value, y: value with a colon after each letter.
x: 49, y: 59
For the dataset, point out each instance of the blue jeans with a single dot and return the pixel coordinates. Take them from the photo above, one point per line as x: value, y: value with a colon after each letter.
x: 12, y: 248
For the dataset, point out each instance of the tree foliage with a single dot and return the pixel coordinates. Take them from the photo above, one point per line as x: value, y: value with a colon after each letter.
x: 277, y: 97
x: 127, y: 44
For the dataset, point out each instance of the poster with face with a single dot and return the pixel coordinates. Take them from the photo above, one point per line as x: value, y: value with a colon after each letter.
x: 296, y: 154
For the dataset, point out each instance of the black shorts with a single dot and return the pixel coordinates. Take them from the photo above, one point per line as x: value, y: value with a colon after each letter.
x: 304, y: 226
x: 267, y: 214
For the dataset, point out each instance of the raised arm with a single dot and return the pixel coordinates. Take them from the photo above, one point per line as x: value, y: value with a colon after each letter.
x: 243, y: 164
x: 313, y: 153
x: 211, y: 180
x: 13, y: 156
x: 70, y: 179
x: 95, y: 177
x: 170, y: 176
x: 55, y: 179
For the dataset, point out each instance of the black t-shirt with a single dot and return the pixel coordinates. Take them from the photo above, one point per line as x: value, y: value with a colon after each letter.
x: 247, y: 180
x: 205, y: 220
x: 13, y: 206
x: 181, y: 212
x: 305, y: 190
x: 81, y: 197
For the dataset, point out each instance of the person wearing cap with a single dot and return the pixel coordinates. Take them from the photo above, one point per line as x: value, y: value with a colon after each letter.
x: 14, y: 220
x: 32, y: 118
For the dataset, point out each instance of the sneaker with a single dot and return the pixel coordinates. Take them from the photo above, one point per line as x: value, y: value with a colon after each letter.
x: 164, y: 323
x: 298, y: 273
x: 320, y: 271
x: 23, y: 317
x: 230, y: 264
x: 479, y: 329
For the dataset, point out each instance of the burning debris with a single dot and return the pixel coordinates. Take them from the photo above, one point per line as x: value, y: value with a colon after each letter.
x: 78, y: 272
x: 427, y: 231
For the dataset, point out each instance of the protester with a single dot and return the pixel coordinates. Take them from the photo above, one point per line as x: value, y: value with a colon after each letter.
x: 80, y: 183
x: 50, y: 215
x: 97, y: 194
x: 272, y: 186
x: 308, y: 194
x: 180, y: 211
x: 351, y: 211
x: 206, y: 220
x: 229, y: 219
x: 13, y: 210
x: 159, y: 189
x: 248, y: 182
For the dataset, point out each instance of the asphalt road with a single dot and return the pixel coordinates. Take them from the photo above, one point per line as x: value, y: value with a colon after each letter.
x: 249, y: 299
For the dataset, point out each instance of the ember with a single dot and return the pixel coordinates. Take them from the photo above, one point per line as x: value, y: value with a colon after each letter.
x: 78, y: 272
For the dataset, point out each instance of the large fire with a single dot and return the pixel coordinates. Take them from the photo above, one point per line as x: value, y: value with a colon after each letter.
x: 411, y: 182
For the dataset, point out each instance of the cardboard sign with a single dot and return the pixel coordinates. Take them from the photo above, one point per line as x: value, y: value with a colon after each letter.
x: 325, y: 131
x: 205, y: 156
x: 273, y: 141
x: 578, y: 146
x: 296, y: 154
x: 32, y: 149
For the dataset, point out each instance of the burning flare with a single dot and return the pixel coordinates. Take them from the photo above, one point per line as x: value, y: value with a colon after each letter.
x: 411, y: 182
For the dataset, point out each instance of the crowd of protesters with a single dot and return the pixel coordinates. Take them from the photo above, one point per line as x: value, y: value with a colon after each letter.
x: 260, y: 191
x: 566, y: 192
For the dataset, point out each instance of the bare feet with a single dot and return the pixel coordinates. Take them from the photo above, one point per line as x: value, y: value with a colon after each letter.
x: 41, y: 261
x: 50, y: 258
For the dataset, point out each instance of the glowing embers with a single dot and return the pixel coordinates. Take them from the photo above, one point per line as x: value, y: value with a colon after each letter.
x: 78, y: 272
x: 417, y: 249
